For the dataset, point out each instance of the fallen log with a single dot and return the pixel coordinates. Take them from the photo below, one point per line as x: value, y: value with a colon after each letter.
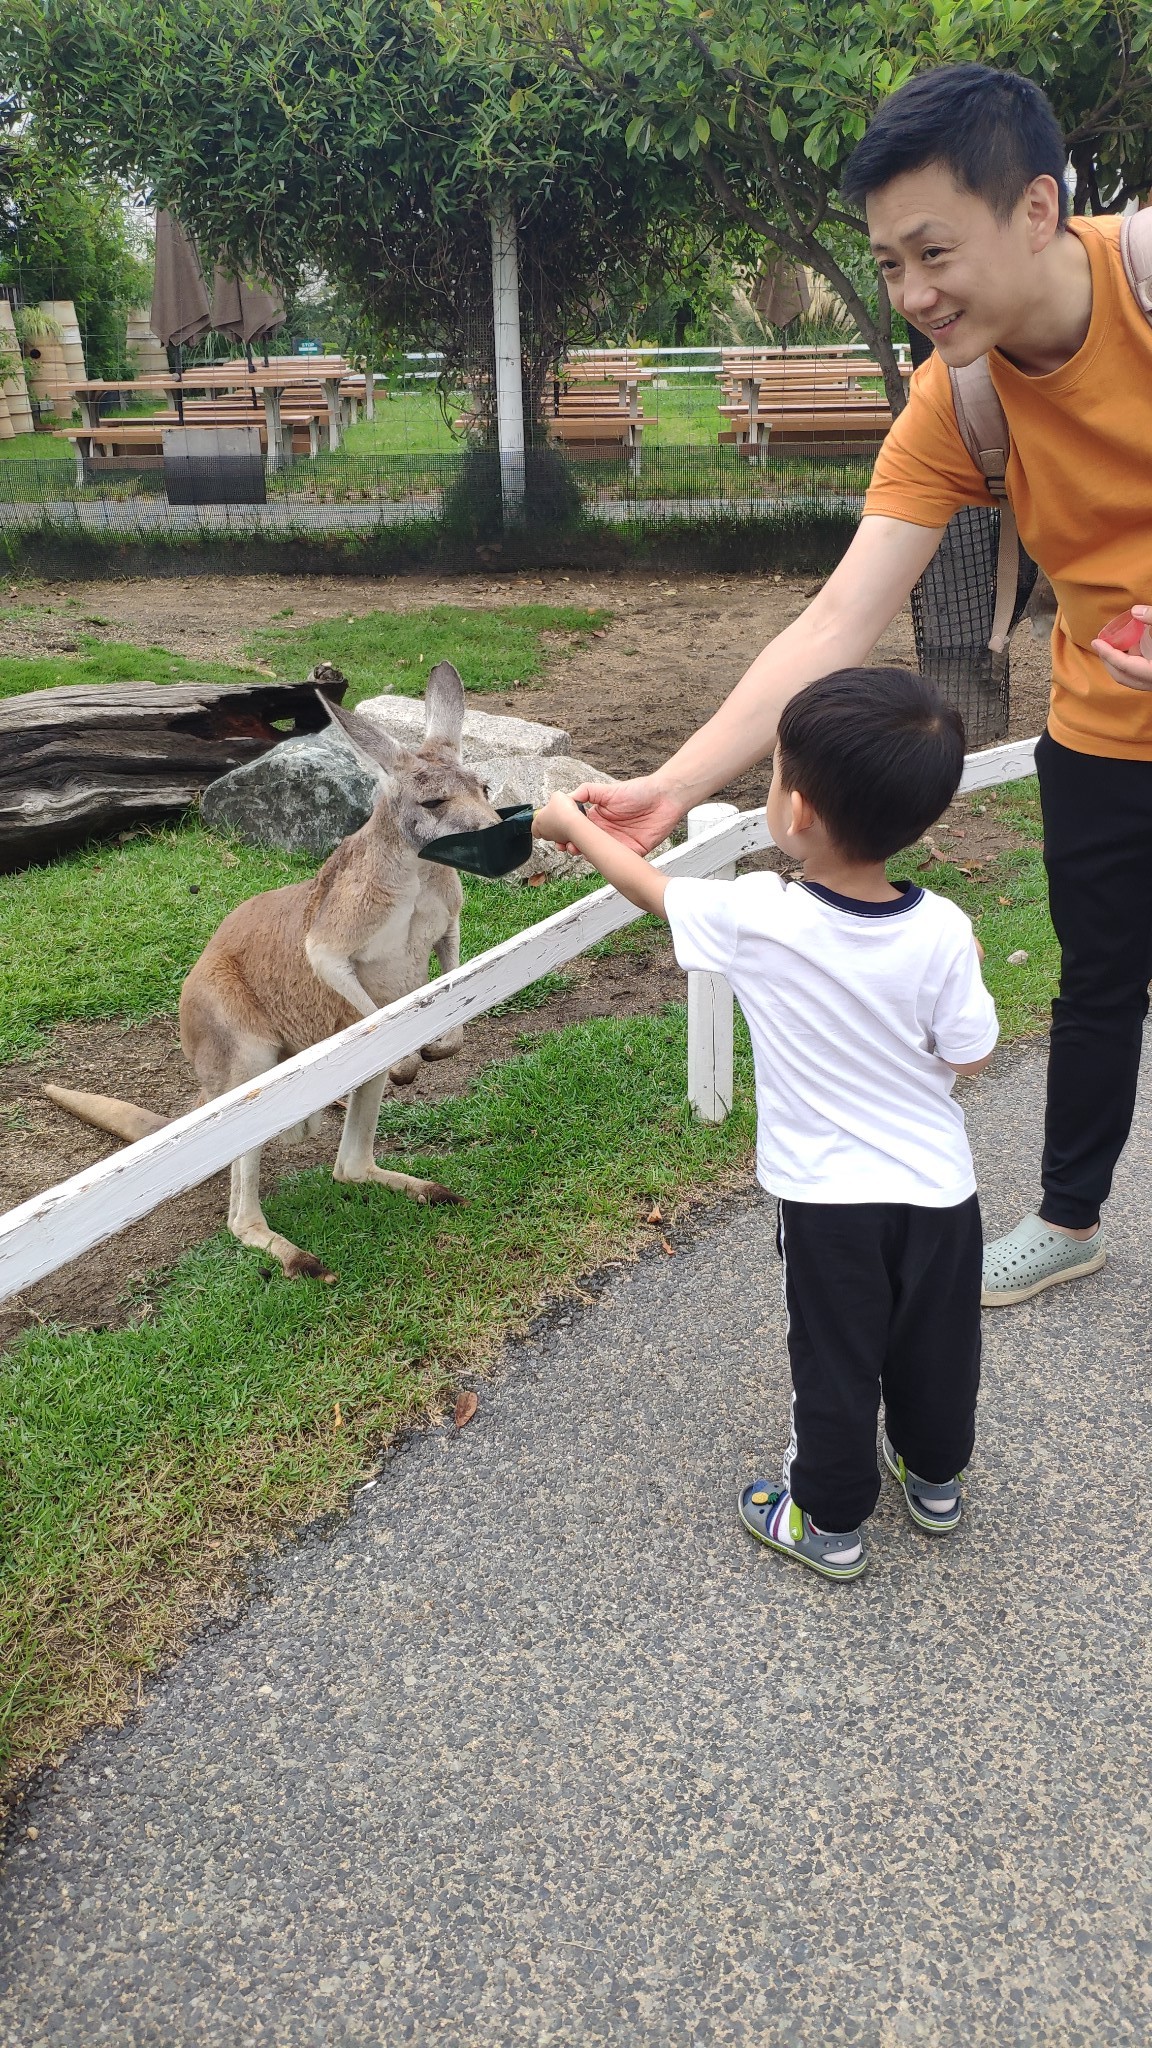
x: 80, y: 763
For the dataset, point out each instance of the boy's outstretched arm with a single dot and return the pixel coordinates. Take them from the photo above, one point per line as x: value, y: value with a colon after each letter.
x: 563, y: 820
x: 839, y: 628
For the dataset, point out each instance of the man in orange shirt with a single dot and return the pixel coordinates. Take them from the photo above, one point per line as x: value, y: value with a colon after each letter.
x: 962, y: 177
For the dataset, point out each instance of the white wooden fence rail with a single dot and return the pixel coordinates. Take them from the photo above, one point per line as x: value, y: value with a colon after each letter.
x: 56, y: 1226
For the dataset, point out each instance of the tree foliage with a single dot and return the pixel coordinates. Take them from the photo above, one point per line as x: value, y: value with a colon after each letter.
x: 64, y: 235
x: 346, y: 135
x: 761, y: 104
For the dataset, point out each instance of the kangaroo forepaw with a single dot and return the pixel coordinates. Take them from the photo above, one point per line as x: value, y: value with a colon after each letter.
x: 405, y: 1070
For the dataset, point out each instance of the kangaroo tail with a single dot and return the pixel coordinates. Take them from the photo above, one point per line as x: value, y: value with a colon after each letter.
x: 123, y: 1119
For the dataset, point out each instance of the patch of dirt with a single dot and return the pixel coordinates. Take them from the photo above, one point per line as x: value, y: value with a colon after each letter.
x: 673, y: 650
x: 40, y: 1145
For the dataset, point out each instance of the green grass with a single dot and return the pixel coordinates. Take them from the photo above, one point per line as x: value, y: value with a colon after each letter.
x: 39, y: 446
x: 138, y: 1461
x: 683, y: 409
x: 110, y: 661
x: 494, y: 650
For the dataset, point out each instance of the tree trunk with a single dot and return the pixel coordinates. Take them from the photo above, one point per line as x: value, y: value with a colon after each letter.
x: 79, y: 762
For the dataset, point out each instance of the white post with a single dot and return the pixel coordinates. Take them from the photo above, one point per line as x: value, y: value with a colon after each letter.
x: 710, y: 1006
x: 509, y: 370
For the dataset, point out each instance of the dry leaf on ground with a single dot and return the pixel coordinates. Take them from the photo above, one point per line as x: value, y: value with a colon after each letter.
x: 465, y: 1409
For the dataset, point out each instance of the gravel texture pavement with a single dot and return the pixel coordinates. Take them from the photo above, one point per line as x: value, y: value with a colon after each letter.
x: 538, y: 1747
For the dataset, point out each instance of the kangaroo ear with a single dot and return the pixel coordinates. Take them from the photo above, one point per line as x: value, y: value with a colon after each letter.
x: 369, y: 738
x: 444, y: 706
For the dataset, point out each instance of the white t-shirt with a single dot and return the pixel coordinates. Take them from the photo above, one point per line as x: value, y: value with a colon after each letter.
x: 853, y: 1009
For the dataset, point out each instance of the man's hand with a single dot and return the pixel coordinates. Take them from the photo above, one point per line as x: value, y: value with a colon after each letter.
x: 639, y: 813
x: 563, y: 821
x: 1133, y: 670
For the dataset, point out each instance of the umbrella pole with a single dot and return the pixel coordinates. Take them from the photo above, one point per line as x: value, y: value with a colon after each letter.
x: 179, y: 375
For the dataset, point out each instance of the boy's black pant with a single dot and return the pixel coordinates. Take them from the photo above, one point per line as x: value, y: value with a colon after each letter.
x: 1098, y: 853
x: 882, y: 1298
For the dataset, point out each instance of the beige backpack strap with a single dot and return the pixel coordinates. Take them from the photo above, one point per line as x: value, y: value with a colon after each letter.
x: 984, y: 432
x: 1136, y: 256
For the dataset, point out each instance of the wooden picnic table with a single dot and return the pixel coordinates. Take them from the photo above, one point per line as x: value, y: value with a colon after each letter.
x: 270, y: 384
x: 595, y: 409
x: 593, y: 380
x: 766, y: 395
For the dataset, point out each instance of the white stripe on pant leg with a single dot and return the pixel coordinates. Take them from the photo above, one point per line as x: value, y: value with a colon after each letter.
x: 790, y: 1453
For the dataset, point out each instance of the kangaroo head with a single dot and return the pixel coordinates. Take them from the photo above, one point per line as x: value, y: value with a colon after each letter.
x: 429, y: 790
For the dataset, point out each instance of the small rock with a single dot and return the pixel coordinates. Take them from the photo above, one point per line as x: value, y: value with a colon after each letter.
x: 305, y: 796
x: 1018, y: 959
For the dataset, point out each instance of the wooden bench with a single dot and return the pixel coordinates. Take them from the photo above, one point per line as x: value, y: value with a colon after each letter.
x: 802, y: 396
x: 145, y: 441
x: 797, y: 423
x: 593, y: 431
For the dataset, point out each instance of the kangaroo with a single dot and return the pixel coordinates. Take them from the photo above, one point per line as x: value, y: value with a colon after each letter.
x: 294, y: 965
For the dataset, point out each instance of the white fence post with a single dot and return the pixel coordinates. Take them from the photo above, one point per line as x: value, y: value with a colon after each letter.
x: 710, y: 1006
x: 509, y: 364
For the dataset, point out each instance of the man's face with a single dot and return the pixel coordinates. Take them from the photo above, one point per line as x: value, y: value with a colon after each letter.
x: 964, y: 278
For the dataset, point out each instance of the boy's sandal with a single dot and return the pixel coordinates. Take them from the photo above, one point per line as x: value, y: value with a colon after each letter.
x: 933, y: 1505
x: 1033, y: 1257
x: 771, y: 1515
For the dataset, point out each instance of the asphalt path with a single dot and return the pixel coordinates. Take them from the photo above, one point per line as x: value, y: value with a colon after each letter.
x: 538, y: 1747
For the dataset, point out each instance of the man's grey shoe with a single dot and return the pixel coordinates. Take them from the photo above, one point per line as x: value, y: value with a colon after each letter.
x: 1033, y: 1257
x: 932, y: 1504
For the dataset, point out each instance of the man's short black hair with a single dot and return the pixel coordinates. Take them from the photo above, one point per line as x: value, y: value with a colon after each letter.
x: 877, y: 753
x: 994, y: 131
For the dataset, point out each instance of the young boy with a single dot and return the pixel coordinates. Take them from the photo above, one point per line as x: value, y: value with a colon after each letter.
x: 864, y: 1000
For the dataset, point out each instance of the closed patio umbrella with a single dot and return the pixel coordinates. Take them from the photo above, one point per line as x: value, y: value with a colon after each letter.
x: 180, y: 310
x: 781, y: 293
x: 247, y: 312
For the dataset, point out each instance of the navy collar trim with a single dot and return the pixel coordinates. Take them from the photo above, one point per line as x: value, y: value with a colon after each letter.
x: 910, y: 895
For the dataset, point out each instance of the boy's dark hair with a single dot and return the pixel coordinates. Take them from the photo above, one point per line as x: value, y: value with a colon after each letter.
x: 994, y: 131
x: 878, y: 754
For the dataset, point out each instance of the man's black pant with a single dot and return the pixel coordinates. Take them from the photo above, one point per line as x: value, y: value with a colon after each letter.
x: 1098, y: 853
x: 882, y: 1298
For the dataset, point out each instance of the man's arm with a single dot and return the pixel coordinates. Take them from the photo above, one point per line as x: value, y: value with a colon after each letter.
x: 838, y: 629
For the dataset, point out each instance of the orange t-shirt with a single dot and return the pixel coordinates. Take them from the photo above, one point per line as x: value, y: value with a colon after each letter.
x: 1079, y: 480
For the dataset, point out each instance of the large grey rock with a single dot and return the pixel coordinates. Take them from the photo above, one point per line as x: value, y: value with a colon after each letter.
x: 486, y: 733
x: 522, y: 779
x: 304, y: 797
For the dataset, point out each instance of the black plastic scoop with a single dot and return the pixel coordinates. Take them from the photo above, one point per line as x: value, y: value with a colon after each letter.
x: 493, y: 851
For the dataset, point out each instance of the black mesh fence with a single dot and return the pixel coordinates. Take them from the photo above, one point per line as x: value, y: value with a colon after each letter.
x: 952, y: 611
x: 648, y: 487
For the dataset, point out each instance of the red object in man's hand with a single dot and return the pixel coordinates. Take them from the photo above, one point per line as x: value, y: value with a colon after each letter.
x: 1124, y: 633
